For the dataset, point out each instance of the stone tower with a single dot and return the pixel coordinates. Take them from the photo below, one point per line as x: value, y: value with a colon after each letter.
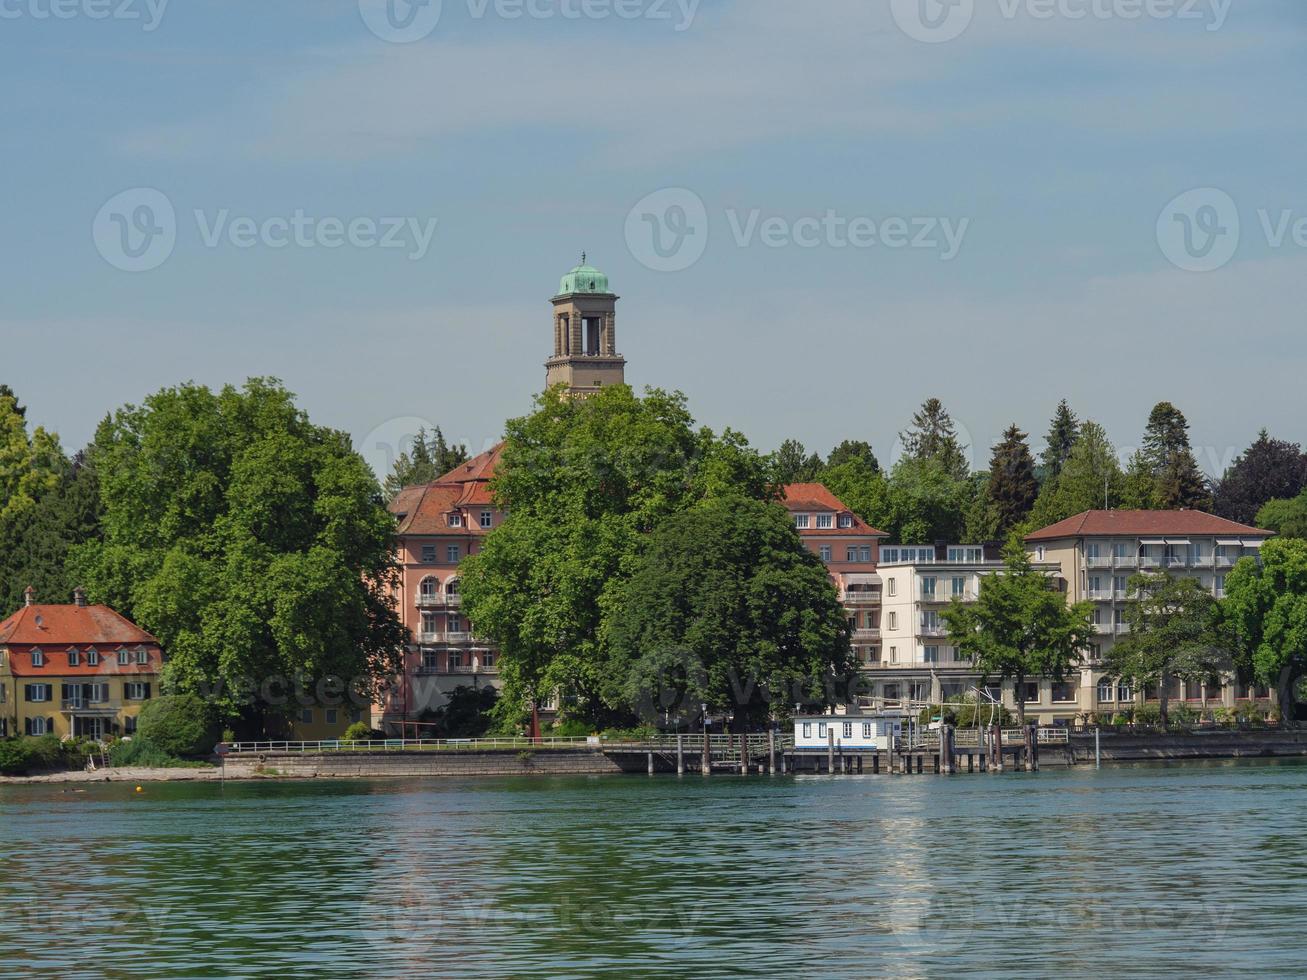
x: 585, y: 334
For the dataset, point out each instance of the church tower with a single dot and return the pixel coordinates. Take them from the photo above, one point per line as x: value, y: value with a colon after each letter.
x: 585, y: 334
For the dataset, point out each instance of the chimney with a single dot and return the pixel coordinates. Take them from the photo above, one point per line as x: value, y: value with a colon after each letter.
x: 79, y: 596
x: 29, y: 596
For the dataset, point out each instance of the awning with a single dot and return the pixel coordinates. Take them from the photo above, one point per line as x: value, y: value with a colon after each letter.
x: 1177, y: 540
x: 1228, y: 542
x: 1253, y: 542
x: 1156, y: 541
x: 861, y: 578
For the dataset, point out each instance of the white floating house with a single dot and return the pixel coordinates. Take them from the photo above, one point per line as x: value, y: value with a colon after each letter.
x: 852, y: 733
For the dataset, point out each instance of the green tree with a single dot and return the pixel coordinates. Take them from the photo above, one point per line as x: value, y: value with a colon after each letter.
x: 7, y: 392
x: 255, y: 545
x: 584, y: 481
x: 1063, y: 432
x: 1178, y: 483
x: 726, y: 607
x: 932, y: 437
x: 1176, y: 633
x: 792, y: 463
x: 1266, y: 606
x: 1091, y: 479
x: 1020, y: 626
x: 429, y: 458
x: 1287, y: 518
x: 181, y: 725
x: 853, y: 450
x: 924, y: 503
x: 1269, y: 469
x: 30, y: 465
x: 1012, y: 488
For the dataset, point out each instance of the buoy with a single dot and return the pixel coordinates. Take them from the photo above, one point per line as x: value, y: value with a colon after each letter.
x: 139, y: 790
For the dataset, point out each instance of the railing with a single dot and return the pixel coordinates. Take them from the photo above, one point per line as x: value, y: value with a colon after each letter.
x: 1150, y: 562
x: 1097, y: 561
x: 445, y: 638
x: 924, y: 596
x: 691, y: 742
x: 1174, y: 561
x: 440, y: 601
x: 859, y: 598
x: 1225, y: 561
x: 932, y: 629
x: 1125, y: 561
x: 1100, y: 595
x: 86, y: 704
x: 1104, y: 629
x: 1201, y: 561
x: 868, y: 633
x: 969, y: 737
x: 1122, y: 628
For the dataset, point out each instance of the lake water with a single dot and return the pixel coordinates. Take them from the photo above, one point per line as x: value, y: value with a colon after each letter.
x: 1198, y: 869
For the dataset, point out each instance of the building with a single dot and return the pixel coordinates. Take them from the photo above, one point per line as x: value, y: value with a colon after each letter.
x: 850, y: 548
x: 74, y: 669
x: 1098, y: 551
x: 585, y: 334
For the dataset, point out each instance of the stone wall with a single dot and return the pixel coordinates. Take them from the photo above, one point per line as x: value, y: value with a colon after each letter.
x: 345, y: 765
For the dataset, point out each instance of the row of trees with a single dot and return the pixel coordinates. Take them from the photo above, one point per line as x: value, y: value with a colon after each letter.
x: 1021, y: 628
x: 930, y: 493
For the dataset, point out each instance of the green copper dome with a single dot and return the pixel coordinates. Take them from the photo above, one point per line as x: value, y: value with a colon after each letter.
x: 583, y: 279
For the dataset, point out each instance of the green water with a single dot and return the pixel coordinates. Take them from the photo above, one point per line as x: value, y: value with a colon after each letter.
x: 1198, y: 869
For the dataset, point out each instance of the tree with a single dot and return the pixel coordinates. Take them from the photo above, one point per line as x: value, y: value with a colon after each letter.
x: 1091, y: 479
x: 35, y: 545
x: 584, y: 481
x: 29, y: 465
x: 1012, y: 488
x: 924, y: 503
x: 1287, y: 518
x: 1266, y: 607
x: 1063, y: 432
x: 181, y: 725
x: 1178, y: 483
x: 7, y: 392
x: 255, y: 545
x: 1019, y: 626
x: 792, y: 463
x: 853, y: 450
x: 430, y: 458
x: 726, y: 607
x: 1269, y: 469
x: 1175, y: 633
x: 932, y: 436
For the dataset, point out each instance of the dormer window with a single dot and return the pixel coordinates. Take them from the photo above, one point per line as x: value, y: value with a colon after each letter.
x: 92, y: 658
x: 486, y: 519
x: 846, y: 520
x: 74, y: 657
x: 825, y: 521
x: 38, y: 658
x: 455, y: 519
x: 124, y: 658
x: 142, y: 656
x: 801, y: 522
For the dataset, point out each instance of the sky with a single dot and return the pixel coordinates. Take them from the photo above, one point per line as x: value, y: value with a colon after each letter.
x: 818, y: 213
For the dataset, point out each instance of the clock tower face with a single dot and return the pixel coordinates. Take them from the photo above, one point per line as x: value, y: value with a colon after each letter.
x: 585, y: 334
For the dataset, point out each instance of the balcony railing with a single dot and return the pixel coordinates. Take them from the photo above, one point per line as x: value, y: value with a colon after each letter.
x: 932, y: 629
x: 1201, y: 561
x: 431, y: 670
x: 445, y: 637
x: 1126, y: 561
x: 86, y: 704
x: 1176, y: 561
x: 867, y: 633
x: 1098, y: 561
x: 1100, y: 595
x: 1225, y: 561
x: 1104, y: 629
x: 439, y: 601
x: 1150, y: 561
x: 1121, y: 628
x: 859, y: 598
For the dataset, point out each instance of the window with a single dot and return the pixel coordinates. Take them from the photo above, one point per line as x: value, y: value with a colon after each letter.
x: 124, y: 658
x: 893, y: 620
x: 488, y: 659
x: 451, y: 553
x: 487, y: 519
x: 1092, y: 549
x: 455, y: 659
x: 893, y: 652
x: 429, y: 588
x: 92, y: 658
x: 846, y: 520
x: 1106, y: 690
x: 37, y: 726
x: 129, y: 725
x: 428, y: 623
x: 866, y: 729
x: 428, y: 554
x: 851, y: 554
x: 455, y: 519
x: 821, y: 729
x: 928, y: 586
x: 38, y: 693
x: 332, y: 715
x: 807, y: 729
x: 1124, y: 692
x: 455, y: 624
x: 38, y: 658
x: 1039, y: 553
x: 968, y: 553
x: 824, y: 551
x: 848, y: 729
x: 306, y: 716
x: 864, y: 553
x: 932, y: 655
x: 1032, y: 691
x: 142, y: 657
x: 891, y: 588
x: 801, y: 521
x: 136, y: 691
x: 429, y: 660
x: 1064, y: 692
x: 825, y: 521
x: 74, y: 658
x: 959, y: 586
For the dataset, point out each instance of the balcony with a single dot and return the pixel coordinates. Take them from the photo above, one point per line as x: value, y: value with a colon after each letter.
x: 1100, y: 595
x: 1104, y: 629
x: 1201, y: 561
x: 439, y: 601
x: 932, y: 629
x: 431, y: 670
x: 867, y: 633
x: 85, y: 706
x: 1125, y: 561
x: 1097, y: 561
x: 936, y: 596
x: 1150, y: 562
x: 1176, y: 561
x: 1225, y: 561
x: 449, y: 638
x: 1121, y: 628
x: 860, y: 598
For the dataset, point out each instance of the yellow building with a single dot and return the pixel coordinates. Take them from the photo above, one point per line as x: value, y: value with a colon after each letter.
x: 74, y: 669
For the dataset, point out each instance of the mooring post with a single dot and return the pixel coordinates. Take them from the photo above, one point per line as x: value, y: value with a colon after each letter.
x: 1030, y: 748
x: 706, y: 765
x: 875, y: 763
x: 950, y: 760
x: 680, y: 754
x: 1098, y: 750
x: 1034, y: 748
x: 650, y: 754
x: 771, y: 752
x: 996, y: 748
x: 744, y: 754
x: 830, y: 752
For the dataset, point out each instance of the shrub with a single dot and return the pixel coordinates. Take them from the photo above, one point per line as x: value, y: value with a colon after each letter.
x: 19, y: 756
x: 145, y: 754
x: 357, y: 732
x: 178, y: 724
x: 1225, y: 716
x: 15, y: 756
x: 638, y: 734
x: 1182, y: 714
x: 572, y: 728
x: 1148, y: 714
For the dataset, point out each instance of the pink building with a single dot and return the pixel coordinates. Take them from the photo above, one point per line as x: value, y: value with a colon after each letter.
x: 850, y: 547
x: 438, y: 525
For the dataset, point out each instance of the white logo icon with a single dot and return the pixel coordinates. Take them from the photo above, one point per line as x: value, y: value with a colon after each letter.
x: 667, y: 231
x: 136, y: 230
x: 1199, y: 230
x: 933, y: 21
x: 401, y: 21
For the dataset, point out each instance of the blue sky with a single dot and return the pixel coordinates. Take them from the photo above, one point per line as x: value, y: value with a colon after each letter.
x: 1053, y: 145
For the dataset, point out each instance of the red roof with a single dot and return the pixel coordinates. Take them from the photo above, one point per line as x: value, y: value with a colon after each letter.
x: 71, y: 625
x: 1141, y: 523
x: 812, y: 497
x: 426, y: 509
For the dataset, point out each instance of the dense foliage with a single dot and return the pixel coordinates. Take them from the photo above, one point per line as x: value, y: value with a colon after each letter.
x: 1266, y: 607
x: 181, y: 725
x: 429, y: 458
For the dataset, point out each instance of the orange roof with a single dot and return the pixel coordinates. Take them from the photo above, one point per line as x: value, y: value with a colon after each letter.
x: 425, y: 509
x: 478, y: 468
x: 70, y: 625
x: 815, y: 497
x: 1138, y: 523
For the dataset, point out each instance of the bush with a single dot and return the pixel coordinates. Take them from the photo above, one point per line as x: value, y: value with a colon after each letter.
x: 15, y: 756
x: 639, y: 734
x: 178, y: 724
x: 572, y: 728
x: 1225, y: 716
x: 143, y: 753
x: 1148, y: 714
x: 1182, y: 714
x: 19, y: 756
x: 357, y: 732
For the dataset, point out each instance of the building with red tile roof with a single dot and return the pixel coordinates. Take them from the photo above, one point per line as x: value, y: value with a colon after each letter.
x: 76, y: 669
